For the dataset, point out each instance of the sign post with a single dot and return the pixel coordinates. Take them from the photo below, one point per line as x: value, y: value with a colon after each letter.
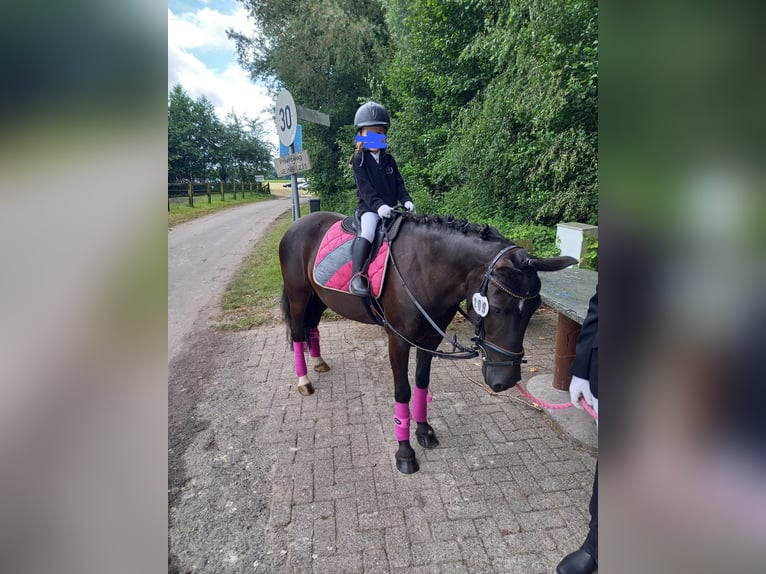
x: 286, y: 116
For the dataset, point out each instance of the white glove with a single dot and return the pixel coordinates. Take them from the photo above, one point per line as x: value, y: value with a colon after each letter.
x: 409, y: 206
x: 580, y: 388
x: 384, y: 210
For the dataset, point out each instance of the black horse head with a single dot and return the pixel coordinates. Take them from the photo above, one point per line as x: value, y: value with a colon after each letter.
x: 506, y: 300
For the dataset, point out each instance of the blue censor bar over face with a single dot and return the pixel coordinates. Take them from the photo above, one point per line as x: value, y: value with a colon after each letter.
x: 372, y: 140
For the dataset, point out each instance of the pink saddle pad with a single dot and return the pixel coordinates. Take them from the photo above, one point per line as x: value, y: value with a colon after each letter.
x: 332, y: 267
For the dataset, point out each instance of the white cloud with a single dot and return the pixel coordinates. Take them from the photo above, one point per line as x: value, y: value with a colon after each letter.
x: 204, y: 28
x: 190, y: 35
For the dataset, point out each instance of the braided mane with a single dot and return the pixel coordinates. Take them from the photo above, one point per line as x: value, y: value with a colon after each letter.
x: 486, y: 232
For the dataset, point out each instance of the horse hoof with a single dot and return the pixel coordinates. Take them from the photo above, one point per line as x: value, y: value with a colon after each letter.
x: 427, y: 439
x: 407, y: 465
x: 321, y: 367
x: 306, y: 389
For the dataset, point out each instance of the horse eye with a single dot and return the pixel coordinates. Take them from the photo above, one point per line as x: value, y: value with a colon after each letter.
x: 497, y: 310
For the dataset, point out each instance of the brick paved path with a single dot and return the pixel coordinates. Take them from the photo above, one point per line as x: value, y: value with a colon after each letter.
x: 504, y: 491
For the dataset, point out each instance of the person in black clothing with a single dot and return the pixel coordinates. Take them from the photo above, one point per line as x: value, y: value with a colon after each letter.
x: 379, y: 185
x: 584, y: 384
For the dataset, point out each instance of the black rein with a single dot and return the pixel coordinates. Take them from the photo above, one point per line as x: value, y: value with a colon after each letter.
x: 480, y: 343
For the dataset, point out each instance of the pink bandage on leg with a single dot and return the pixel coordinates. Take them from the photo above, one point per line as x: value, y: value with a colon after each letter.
x: 420, y: 401
x: 402, y: 421
x: 300, y: 360
x: 314, y: 343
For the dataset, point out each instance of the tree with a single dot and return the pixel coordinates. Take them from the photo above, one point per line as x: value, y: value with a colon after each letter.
x: 326, y: 53
x: 195, y: 136
x: 200, y: 146
x: 526, y: 148
x: 428, y: 81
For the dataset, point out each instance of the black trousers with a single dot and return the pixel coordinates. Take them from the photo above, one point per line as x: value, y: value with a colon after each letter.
x: 591, y: 541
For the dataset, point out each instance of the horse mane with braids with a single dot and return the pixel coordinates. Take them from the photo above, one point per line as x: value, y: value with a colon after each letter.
x: 486, y: 232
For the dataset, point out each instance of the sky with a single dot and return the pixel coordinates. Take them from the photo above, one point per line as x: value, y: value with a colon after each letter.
x: 204, y: 61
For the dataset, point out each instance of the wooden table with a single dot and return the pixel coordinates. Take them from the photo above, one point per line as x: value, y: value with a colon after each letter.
x: 567, y: 291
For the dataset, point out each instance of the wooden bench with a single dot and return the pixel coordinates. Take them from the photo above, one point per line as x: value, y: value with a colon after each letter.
x: 567, y: 291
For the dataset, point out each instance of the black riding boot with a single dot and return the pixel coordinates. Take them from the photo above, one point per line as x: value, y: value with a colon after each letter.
x: 360, y: 250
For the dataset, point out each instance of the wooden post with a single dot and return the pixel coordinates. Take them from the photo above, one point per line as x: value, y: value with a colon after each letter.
x: 209, y: 199
x: 191, y: 194
x: 222, y: 196
x: 564, y: 353
x: 234, y: 188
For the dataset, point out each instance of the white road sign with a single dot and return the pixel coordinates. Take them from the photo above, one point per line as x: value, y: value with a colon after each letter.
x: 294, y: 163
x: 286, y: 117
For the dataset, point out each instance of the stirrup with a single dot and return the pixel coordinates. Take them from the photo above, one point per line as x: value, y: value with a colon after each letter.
x: 365, y: 290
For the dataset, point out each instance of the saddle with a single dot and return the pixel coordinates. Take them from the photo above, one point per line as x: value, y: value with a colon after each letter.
x: 332, y: 266
x: 388, y: 227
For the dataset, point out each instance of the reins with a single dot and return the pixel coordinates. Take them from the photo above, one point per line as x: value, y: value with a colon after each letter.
x: 460, y: 351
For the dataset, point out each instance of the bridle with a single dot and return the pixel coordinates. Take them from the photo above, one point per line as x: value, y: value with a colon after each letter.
x: 481, y: 344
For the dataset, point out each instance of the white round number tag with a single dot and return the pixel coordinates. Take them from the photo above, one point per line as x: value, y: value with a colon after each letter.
x: 480, y: 304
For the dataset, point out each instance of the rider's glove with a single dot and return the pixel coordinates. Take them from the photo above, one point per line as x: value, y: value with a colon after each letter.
x: 580, y: 388
x: 384, y: 210
x: 409, y: 206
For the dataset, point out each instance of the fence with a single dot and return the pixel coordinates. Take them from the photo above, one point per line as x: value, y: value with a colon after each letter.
x: 191, y: 190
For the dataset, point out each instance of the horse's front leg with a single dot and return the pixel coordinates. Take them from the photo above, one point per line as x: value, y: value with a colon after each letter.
x: 424, y: 433
x: 399, y: 354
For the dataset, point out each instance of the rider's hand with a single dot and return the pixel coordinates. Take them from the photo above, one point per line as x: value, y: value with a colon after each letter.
x: 580, y: 388
x: 409, y: 206
x: 384, y: 210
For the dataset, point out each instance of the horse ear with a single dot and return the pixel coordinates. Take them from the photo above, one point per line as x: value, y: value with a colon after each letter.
x: 551, y: 263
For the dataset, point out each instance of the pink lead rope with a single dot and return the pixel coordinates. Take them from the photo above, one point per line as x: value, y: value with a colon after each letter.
x: 547, y: 405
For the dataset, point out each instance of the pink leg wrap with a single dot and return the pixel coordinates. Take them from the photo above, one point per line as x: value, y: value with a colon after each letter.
x: 420, y: 402
x: 314, y: 343
x: 300, y: 360
x: 402, y: 421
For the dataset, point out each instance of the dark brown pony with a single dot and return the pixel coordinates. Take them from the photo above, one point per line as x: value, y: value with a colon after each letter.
x: 436, y: 264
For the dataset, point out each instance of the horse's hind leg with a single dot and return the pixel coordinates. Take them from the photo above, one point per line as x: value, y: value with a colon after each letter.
x: 294, y: 306
x: 424, y: 433
x: 313, y: 314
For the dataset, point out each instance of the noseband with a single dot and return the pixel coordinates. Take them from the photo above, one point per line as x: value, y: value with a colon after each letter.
x: 480, y: 342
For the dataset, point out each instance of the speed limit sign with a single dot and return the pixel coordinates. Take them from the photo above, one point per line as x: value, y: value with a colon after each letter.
x: 286, y: 117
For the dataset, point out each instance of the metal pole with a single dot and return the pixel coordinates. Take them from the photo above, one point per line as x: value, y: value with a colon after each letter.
x: 296, y: 201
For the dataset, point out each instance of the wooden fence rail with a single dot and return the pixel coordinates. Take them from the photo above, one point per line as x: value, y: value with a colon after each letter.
x: 191, y: 190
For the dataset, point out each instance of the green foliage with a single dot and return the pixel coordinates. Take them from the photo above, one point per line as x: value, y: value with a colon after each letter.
x: 589, y: 260
x: 527, y: 145
x: 494, y: 104
x: 326, y: 53
x: 202, y: 147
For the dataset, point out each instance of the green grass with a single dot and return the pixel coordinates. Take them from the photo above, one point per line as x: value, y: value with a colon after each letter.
x: 253, y: 298
x: 181, y: 212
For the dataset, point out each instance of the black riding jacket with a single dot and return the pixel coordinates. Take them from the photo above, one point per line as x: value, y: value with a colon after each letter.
x: 378, y: 183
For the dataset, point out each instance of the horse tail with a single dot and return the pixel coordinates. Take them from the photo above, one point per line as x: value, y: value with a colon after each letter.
x: 286, y: 314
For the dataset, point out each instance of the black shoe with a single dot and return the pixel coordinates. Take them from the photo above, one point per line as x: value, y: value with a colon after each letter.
x: 579, y: 562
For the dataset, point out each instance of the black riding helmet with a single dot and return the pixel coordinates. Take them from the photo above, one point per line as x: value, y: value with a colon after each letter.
x: 371, y: 114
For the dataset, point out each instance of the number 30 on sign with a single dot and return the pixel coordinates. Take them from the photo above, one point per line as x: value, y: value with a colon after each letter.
x: 286, y: 118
